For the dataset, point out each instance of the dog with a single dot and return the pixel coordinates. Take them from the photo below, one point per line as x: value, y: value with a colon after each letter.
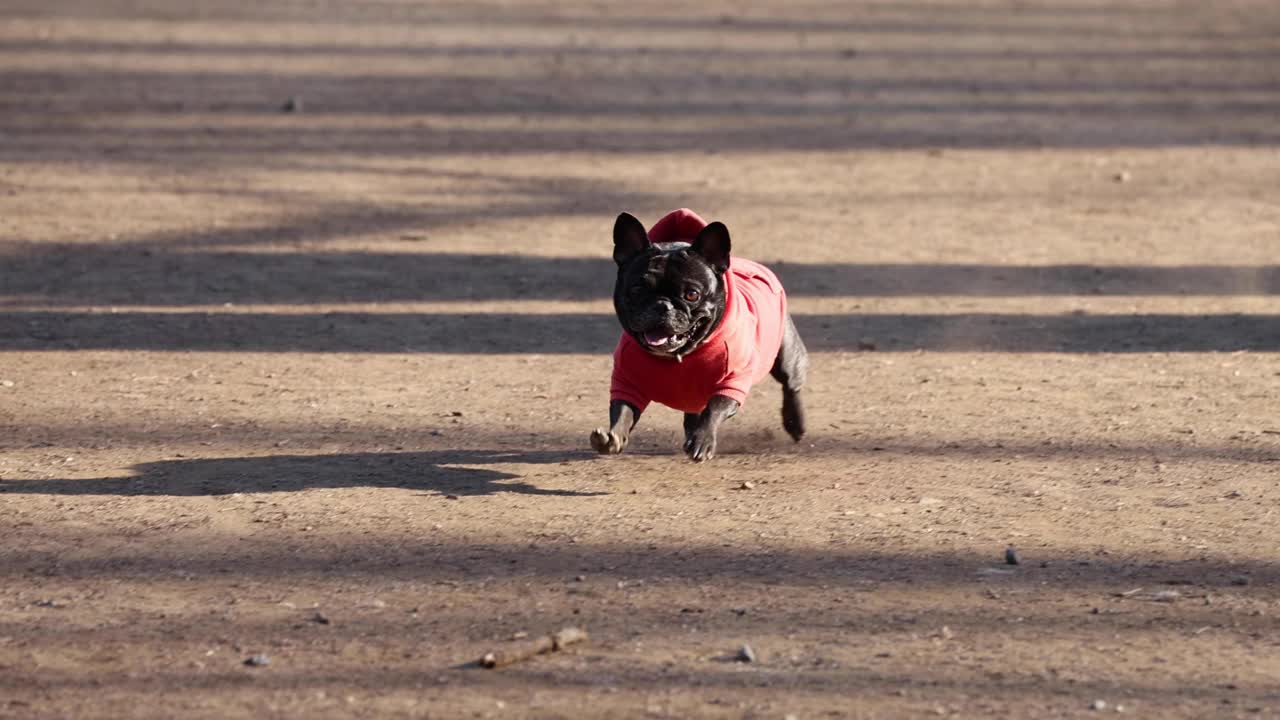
x: 699, y: 328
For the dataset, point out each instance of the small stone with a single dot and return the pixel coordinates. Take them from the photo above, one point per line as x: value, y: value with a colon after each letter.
x: 866, y: 344
x: 1122, y: 177
x: 745, y: 654
x: 746, y: 485
x: 293, y: 104
x: 1240, y: 580
x: 6, y: 383
x: 320, y: 618
x: 1098, y: 705
x: 1011, y: 557
x: 580, y: 578
x: 450, y: 497
x: 259, y: 660
x: 1166, y: 596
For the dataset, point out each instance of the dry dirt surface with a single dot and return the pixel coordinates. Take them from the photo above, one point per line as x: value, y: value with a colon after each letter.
x: 305, y: 320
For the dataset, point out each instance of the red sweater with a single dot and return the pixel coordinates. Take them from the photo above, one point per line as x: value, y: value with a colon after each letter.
x: 738, y: 354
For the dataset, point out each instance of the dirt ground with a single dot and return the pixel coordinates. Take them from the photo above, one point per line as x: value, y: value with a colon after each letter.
x: 305, y: 320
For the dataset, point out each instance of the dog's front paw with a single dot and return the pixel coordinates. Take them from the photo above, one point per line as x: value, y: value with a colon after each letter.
x: 607, y: 443
x: 700, y: 445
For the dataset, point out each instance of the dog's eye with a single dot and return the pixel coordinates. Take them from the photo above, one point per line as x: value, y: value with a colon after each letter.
x: 692, y: 295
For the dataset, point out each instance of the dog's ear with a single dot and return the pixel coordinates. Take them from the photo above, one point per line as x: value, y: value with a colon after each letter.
x: 713, y: 245
x: 629, y: 238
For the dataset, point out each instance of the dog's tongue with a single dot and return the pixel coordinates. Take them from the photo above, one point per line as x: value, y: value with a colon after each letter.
x: 656, y: 338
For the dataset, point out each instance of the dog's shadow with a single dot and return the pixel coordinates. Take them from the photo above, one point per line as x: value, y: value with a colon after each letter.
x: 442, y: 472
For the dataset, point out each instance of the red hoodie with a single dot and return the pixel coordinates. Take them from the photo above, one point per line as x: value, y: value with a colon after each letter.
x: 738, y: 354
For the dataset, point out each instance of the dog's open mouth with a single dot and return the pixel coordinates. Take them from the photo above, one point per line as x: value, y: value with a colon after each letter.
x: 664, y: 340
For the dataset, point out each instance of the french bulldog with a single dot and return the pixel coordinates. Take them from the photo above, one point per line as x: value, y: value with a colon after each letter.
x: 699, y: 328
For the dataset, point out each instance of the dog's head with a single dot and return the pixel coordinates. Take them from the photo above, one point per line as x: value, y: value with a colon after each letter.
x: 669, y: 296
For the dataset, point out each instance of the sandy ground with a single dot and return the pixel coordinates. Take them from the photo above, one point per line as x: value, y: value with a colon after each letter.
x: 304, y: 321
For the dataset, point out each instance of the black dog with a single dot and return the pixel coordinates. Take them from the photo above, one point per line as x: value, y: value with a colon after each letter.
x: 699, y: 330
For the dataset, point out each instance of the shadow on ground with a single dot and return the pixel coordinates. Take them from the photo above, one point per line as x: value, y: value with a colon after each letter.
x: 597, y: 333
x: 437, y: 472
x: 167, y: 273
x: 429, y: 558
x: 451, y: 471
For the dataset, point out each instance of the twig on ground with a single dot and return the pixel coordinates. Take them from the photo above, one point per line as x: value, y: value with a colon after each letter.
x: 538, y: 646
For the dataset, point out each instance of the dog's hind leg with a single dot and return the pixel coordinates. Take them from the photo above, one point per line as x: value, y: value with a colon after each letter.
x: 790, y: 368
